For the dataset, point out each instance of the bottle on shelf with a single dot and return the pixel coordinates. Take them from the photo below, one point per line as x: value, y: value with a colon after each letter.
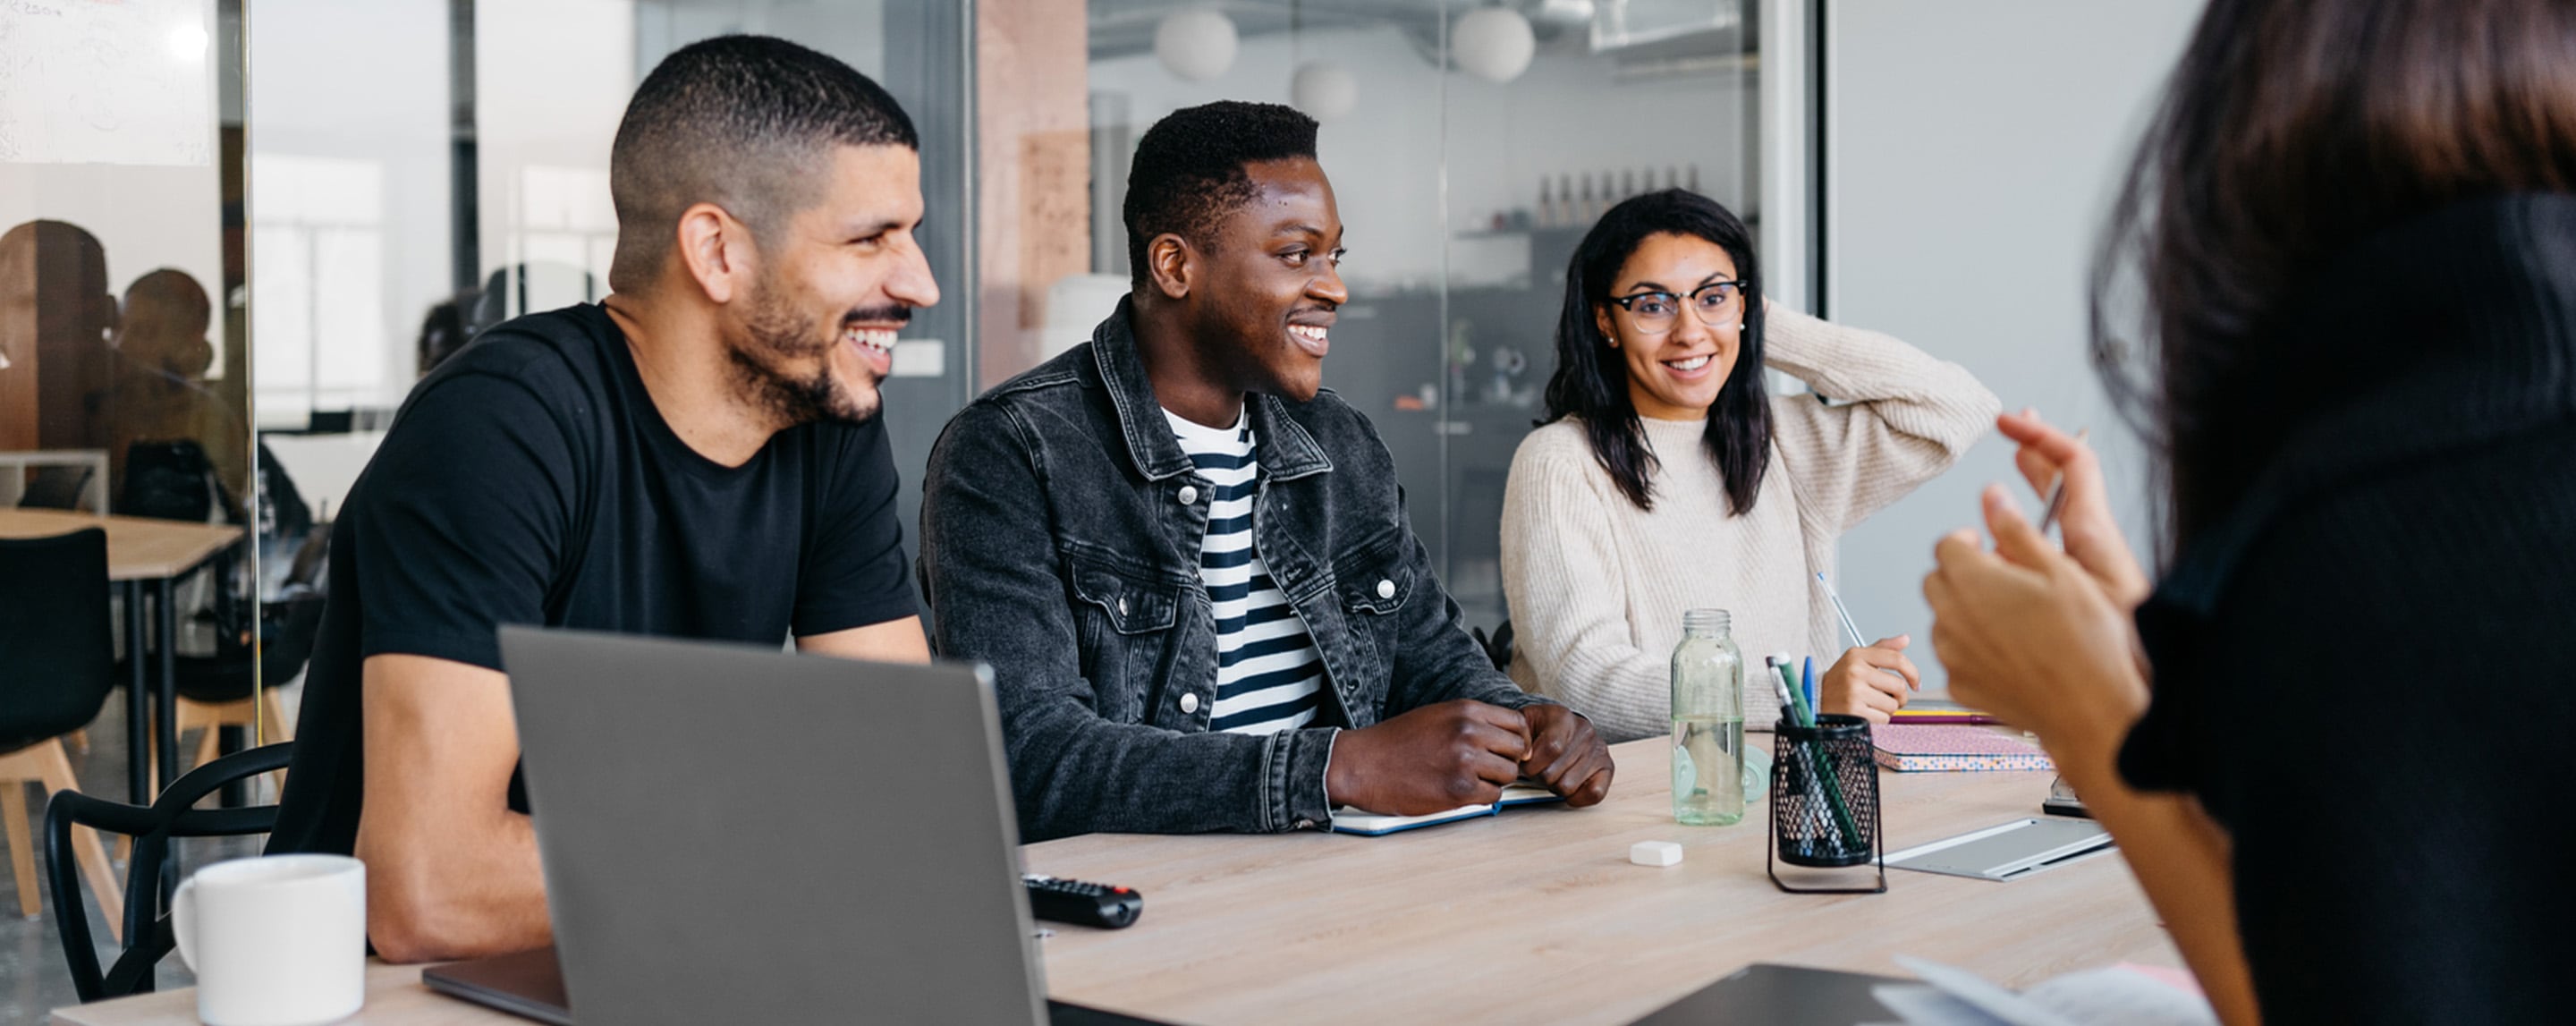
x: 1546, y: 204
x: 1591, y: 207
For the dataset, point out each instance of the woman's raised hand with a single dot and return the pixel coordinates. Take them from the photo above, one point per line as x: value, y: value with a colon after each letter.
x: 2032, y: 635
x: 2084, y: 519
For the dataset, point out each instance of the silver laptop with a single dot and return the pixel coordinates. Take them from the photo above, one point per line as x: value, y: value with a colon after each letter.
x: 737, y: 834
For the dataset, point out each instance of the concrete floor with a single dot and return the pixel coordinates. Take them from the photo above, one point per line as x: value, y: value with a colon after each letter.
x: 34, y: 978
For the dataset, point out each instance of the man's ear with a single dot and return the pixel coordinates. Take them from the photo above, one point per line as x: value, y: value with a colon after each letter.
x: 716, y: 251
x: 1170, y: 264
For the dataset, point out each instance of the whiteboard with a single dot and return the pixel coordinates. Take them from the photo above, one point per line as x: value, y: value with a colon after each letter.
x: 106, y: 82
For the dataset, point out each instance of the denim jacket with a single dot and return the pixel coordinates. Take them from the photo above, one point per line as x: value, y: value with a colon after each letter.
x: 1060, y: 530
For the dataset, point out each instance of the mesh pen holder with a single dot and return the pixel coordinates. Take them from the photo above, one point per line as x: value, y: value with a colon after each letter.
x: 1824, y: 802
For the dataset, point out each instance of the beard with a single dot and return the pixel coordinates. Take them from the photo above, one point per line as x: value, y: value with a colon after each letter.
x: 777, y: 341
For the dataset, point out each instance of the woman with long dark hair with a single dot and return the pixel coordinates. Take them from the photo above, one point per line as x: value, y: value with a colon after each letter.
x: 1667, y: 477
x: 2330, y: 739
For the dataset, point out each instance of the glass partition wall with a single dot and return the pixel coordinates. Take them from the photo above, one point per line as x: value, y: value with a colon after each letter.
x: 418, y: 170
x: 464, y: 181
x: 125, y: 441
x: 1470, y: 146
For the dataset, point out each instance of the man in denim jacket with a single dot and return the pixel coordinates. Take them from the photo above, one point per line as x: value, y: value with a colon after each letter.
x: 1190, y: 568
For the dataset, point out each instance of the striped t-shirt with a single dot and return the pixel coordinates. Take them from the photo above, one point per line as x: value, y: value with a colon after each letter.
x: 1267, y: 670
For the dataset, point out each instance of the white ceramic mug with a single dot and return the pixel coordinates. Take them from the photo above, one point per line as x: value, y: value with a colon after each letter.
x: 279, y: 941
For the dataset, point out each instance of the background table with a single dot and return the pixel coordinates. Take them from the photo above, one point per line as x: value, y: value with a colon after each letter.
x: 141, y: 551
x: 1531, y: 916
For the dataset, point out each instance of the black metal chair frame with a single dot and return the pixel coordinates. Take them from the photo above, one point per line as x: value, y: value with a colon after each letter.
x: 147, y: 925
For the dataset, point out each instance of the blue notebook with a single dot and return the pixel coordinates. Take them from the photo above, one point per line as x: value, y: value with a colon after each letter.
x: 1347, y: 820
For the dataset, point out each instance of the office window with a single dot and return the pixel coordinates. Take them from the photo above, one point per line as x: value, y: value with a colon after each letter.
x: 317, y: 304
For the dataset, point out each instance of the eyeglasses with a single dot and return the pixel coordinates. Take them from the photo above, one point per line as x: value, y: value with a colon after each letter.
x: 1657, y: 312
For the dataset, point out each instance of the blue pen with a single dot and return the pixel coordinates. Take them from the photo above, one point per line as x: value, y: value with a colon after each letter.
x: 1811, y: 684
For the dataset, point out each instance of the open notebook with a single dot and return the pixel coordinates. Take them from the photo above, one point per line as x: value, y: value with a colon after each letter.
x: 1347, y: 820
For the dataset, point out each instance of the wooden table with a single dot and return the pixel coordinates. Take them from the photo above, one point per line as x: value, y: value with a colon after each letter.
x: 1531, y: 916
x: 140, y: 551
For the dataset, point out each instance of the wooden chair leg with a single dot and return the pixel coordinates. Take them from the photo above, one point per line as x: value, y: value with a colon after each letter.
x: 279, y: 729
x: 283, y: 729
x: 103, y: 879
x: 207, y: 743
x: 190, y: 715
x: 22, y: 845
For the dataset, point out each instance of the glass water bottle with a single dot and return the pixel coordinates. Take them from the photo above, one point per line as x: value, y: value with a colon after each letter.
x: 1708, y: 722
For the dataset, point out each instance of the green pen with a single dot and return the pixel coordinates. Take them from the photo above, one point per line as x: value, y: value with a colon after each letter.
x: 1798, y: 711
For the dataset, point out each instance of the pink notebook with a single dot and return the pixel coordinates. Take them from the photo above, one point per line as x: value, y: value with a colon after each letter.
x: 1911, y: 747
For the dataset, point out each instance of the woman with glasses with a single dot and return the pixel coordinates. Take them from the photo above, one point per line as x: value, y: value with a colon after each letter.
x: 1667, y: 477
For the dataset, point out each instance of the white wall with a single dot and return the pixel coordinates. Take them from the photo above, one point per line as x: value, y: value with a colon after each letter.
x: 1974, y: 146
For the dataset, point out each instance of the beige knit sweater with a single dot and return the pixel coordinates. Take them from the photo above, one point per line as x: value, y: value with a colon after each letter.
x: 1597, y: 586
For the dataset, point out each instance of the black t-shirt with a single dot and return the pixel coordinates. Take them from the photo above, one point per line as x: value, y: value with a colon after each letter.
x: 531, y: 480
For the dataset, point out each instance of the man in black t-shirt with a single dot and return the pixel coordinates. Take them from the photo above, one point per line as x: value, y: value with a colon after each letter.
x: 699, y: 456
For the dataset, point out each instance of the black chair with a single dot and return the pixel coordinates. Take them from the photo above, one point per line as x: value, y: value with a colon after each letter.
x: 169, y: 480
x: 147, y: 924
x: 215, y: 691
x: 282, y: 511
x: 56, y: 487
x: 56, y: 660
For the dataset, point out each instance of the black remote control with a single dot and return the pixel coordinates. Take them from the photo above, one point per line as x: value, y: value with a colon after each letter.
x: 1082, y: 904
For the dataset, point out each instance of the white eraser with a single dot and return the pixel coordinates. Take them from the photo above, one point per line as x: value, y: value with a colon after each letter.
x: 1655, y: 853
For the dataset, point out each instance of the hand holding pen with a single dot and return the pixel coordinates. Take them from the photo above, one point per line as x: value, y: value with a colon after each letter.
x: 2066, y: 471
x: 1872, y: 679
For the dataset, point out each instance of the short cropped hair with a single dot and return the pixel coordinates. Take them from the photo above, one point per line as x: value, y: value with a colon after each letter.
x: 1189, y: 169
x: 742, y: 122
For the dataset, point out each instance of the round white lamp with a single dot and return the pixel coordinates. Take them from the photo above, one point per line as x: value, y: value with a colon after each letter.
x: 1196, y: 44
x: 1493, y: 43
x: 1324, y: 90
